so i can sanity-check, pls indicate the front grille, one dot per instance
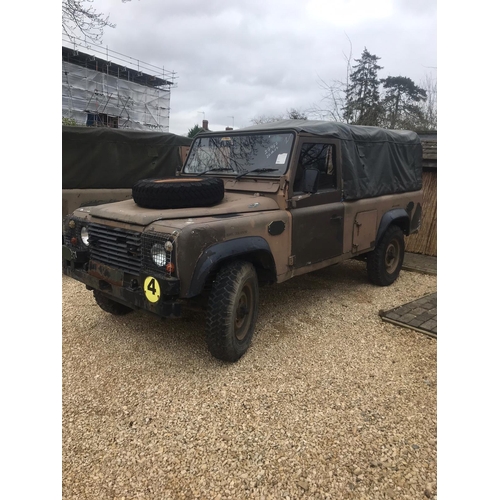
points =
(116, 247)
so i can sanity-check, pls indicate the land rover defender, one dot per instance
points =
(251, 206)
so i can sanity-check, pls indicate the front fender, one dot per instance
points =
(211, 258)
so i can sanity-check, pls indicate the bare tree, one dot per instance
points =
(257, 120)
(334, 93)
(291, 114)
(79, 18)
(332, 102)
(429, 107)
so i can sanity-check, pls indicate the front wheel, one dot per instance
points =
(384, 263)
(232, 311)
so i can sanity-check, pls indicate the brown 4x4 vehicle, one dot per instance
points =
(257, 205)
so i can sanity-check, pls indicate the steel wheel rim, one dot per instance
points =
(242, 316)
(392, 256)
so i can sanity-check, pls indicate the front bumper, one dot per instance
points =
(121, 287)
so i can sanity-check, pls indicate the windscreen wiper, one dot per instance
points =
(257, 170)
(216, 169)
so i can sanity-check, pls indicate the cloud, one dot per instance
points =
(348, 13)
(256, 57)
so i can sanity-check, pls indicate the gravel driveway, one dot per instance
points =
(329, 402)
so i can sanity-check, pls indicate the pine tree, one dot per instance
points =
(362, 105)
(401, 103)
(193, 132)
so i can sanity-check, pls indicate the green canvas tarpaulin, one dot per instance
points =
(105, 158)
(375, 161)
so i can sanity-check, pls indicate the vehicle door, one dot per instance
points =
(317, 218)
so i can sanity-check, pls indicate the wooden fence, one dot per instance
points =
(425, 241)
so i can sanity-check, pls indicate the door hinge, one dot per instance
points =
(291, 260)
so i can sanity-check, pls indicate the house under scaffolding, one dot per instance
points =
(107, 92)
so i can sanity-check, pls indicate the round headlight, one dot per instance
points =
(159, 255)
(84, 235)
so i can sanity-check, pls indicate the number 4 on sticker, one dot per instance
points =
(152, 289)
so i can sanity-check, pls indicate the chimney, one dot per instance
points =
(205, 125)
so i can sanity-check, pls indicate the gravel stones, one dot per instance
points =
(329, 402)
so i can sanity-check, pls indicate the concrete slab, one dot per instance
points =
(420, 263)
(419, 315)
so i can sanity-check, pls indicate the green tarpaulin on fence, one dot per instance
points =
(106, 158)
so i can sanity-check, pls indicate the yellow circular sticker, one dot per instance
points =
(152, 289)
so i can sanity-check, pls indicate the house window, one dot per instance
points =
(101, 120)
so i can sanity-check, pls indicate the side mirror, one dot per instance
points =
(310, 181)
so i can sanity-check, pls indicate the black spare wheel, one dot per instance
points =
(178, 192)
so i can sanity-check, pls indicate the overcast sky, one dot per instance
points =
(248, 58)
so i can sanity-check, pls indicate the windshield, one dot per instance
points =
(266, 154)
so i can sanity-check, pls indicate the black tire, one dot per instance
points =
(178, 192)
(384, 263)
(232, 311)
(109, 305)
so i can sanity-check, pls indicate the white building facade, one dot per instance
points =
(105, 92)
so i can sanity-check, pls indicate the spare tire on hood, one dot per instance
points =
(178, 192)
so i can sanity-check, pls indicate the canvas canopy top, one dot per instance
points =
(375, 161)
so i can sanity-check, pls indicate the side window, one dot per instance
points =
(320, 157)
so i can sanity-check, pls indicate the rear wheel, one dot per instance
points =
(385, 262)
(232, 311)
(109, 305)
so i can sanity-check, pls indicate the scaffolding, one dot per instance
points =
(104, 88)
